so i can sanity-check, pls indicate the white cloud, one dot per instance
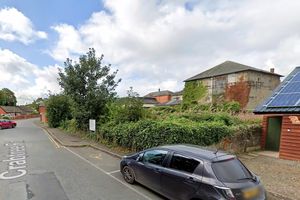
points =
(26, 79)
(158, 44)
(15, 26)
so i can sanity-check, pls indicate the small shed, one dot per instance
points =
(281, 118)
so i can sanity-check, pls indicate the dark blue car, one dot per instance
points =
(186, 172)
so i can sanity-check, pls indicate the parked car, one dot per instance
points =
(189, 172)
(5, 123)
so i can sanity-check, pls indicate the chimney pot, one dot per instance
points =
(272, 70)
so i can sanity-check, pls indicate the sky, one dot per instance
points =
(154, 44)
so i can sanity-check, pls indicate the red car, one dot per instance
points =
(4, 123)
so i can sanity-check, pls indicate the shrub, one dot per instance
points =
(58, 110)
(129, 109)
(148, 133)
(223, 118)
(69, 125)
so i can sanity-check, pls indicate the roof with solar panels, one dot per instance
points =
(285, 98)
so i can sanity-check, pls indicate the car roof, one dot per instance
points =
(198, 152)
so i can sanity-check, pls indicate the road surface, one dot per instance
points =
(34, 167)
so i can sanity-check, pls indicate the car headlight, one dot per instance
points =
(226, 192)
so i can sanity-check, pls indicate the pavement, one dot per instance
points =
(35, 166)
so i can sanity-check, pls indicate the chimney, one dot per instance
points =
(158, 89)
(272, 70)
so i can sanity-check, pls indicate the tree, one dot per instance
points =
(36, 103)
(90, 85)
(127, 109)
(7, 97)
(58, 109)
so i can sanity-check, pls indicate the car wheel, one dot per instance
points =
(13, 126)
(0, 127)
(128, 174)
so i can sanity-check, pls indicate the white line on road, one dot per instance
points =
(102, 170)
(51, 139)
(113, 172)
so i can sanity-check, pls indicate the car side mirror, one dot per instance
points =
(140, 158)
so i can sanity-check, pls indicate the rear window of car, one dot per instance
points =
(183, 163)
(230, 170)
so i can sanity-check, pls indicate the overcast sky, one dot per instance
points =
(153, 43)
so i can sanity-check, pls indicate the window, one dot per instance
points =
(155, 157)
(230, 170)
(183, 163)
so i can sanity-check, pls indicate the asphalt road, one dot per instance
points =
(33, 166)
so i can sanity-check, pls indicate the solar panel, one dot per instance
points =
(292, 87)
(284, 100)
(296, 77)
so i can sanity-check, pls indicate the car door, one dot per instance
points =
(5, 124)
(178, 180)
(149, 167)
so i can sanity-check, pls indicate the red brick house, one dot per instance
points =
(161, 96)
(281, 118)
(10, 110)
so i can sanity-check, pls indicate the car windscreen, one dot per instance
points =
(231, 171)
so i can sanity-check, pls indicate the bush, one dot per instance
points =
(148, 133)
(129, 109)
(58, 109)
(69, 125)
(223, 118)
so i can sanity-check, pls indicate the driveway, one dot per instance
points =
(280, 177)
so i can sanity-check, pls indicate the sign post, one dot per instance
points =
(92, 125)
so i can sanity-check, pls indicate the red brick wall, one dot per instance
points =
(2, 112)
(163, 99)
(290, 139)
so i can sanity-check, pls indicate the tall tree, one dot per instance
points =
(7, 97)
(90, 85)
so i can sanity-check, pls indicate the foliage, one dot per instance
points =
(36, 103)
(148, 133)
(58, 109)
(5, 117)
(90, 85)
(231, 107)
(128, 109)
(220, 117)
(69, 125)
(7, 97)
(193, 92)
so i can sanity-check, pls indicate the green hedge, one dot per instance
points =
(148, 133)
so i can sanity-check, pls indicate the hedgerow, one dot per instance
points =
(148, 133)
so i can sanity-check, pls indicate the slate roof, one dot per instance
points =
(148, 100)
(264, 108)
(11, 109)
(26, 109)
(172, 102)
(159, 93)
(227, 67)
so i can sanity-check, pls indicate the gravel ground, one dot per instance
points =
(280, 177)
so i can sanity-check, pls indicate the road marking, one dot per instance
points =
(113, 172)
(16, 161)
(51, 139)
(102, 170)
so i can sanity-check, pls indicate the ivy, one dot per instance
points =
(193, 92)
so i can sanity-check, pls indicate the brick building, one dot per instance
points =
(231, 81)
